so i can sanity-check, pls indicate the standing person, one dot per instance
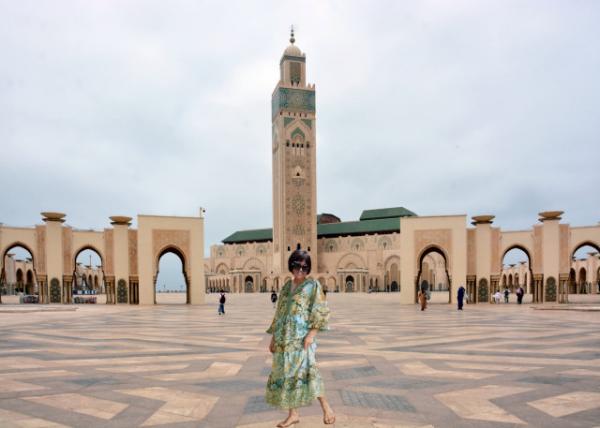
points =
(302, 311)
(520, 293)
(506, 293)
(273, 298)
(497, 296)
(222, 300)
(460, 296)
(422, 295)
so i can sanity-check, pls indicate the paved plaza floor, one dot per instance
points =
(384, 365)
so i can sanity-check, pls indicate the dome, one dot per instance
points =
(292, 50)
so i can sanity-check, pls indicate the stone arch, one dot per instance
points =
(3, 260)
(88, 247)
(584, 243)
(254, 263)
(222, 268)
(350, 258)
(391, 277)
(433, 248)
(528, 278)
(71, 287)
(391, 259)
(249, 284)
(172, 248)
(331, 284)
(349, 284)
(17, 244)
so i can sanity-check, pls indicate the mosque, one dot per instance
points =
(387, 249)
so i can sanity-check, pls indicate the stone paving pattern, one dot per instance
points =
(384, 366)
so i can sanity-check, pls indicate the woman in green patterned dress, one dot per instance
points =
(301, 312)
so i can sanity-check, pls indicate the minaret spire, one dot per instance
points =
(292, 39)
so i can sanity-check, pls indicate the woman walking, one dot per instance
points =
(301, 312)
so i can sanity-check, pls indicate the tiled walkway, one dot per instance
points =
(384, 365)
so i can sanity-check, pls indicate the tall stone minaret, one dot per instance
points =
(294, 161)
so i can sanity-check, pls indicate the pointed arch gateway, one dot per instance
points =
(580, 280)
(531, 287)
(86, 289)
(3, 276)
(175, 250)
(423, 285)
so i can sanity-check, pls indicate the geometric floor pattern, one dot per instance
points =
(384, 365)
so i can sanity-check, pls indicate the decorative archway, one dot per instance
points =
(427, 250)
(349, 284)
(173, 249)
(249, 284)
(70, 286)
(532, 286)
(42, 291)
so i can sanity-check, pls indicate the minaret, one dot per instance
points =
(294, 161)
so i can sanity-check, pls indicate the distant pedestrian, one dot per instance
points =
(274, 298)
(460, 296)
(497, 296)
(422, 295)
(520, 293)
(506, 293)
(222, 300)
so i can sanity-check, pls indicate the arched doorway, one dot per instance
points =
(391, 280)
(171, 285)
(88, 264)
(433, 276)
(585, 264)
(29, 282)
(517, 273)
(20, 284)
(582, 281)
(18, 279)
(249, 284)
(349, 284)
(572, 282)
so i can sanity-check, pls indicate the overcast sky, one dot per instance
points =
(443, 107)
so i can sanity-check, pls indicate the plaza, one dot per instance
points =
(384, 365)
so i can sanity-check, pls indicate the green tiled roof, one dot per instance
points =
(386, 213)
(254, 235)
(383, 225)
(385, 220)
(359, 227)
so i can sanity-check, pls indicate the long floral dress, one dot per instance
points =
(295, 380)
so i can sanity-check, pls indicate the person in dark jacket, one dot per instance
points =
(460, 297)
(520, 293)
(274, 298)
(222, 300)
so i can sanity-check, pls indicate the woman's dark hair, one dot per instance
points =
(297, 257)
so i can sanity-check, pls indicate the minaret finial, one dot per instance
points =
(292, 39)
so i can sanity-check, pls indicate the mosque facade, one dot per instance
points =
(389, 249)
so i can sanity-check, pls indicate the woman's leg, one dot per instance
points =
(328, 415)
(293, 418)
